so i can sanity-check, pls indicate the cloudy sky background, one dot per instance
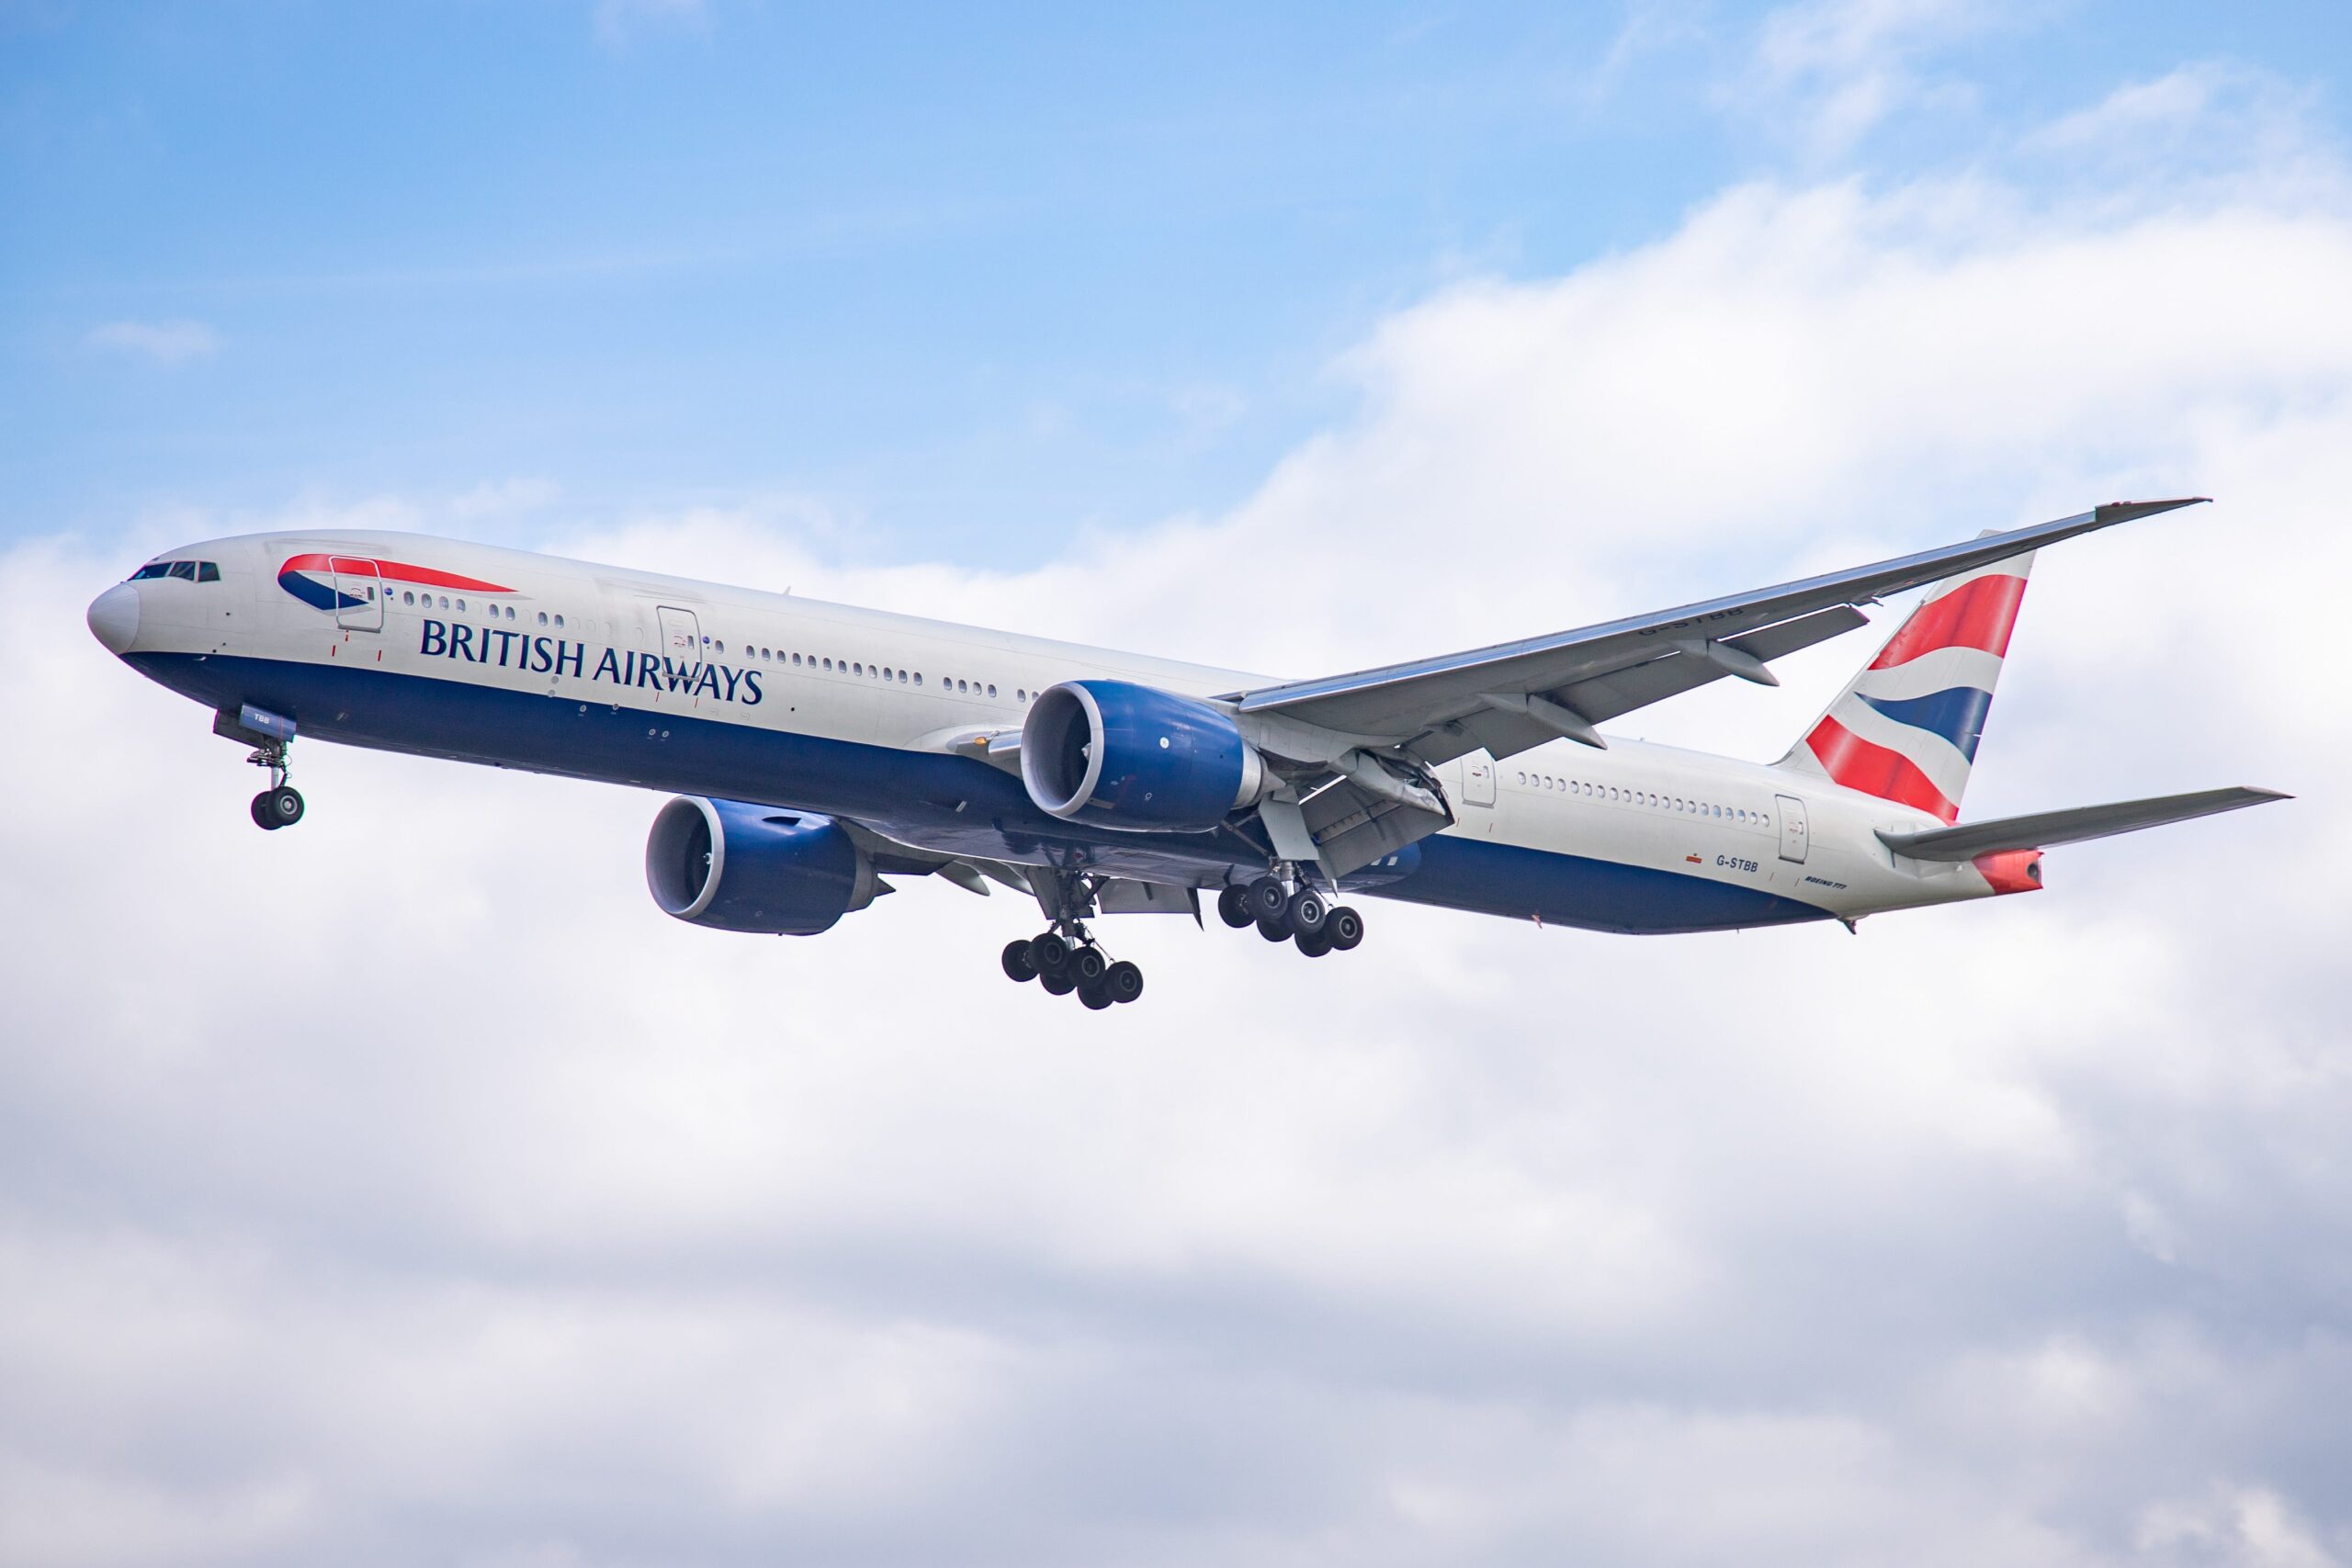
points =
(406, 1188)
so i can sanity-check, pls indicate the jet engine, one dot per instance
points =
(1113, 754)
(755, 868)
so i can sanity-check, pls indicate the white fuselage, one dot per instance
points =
(574, 635)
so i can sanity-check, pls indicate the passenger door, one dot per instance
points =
(1478, 779)
(358, 593)
(680, 635)
(1793, 828)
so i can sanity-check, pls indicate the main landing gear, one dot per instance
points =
(1062, 966)
(1065, 957)
(279, 805)
(1299, 915)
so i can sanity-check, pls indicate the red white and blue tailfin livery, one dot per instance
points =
(818, 750)
(1906, 729)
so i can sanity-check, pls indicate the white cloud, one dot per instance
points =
(166, 342)
(405, 1186)
(1833, 70)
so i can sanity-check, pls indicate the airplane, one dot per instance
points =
(816, 751)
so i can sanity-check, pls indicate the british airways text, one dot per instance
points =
(557, 656)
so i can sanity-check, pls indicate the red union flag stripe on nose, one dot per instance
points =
(1906, 729)
(310, 579)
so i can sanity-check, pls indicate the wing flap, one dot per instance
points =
(2043, 829)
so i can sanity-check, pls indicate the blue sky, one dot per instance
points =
(970, 280)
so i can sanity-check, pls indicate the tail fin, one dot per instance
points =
(1906, 728)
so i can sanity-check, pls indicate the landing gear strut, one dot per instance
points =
(279, 805)
(1065, 957)
(1286, 910)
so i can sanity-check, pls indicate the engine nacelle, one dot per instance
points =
(754, 868)
(1113, 754)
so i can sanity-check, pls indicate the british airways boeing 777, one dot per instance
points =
(817, 749)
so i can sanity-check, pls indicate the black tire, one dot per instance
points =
(1088, 966)
(1233, 907)
(1096, 998)
(1307, 911)
(1267, 899)
(1019, 967)
(1057, 983)
(261, 815)
(1315, 945)
(1123, 981)
(1276, 929)
(1048, 951)
(1344, 927)
(285, 805)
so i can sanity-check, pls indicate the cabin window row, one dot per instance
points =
(1623, 797)
(409, 596)
(960, 685)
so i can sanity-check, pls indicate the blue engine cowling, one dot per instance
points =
(1117, 755)
(754, 868)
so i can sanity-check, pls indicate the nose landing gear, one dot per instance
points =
(278, 806)
(272, 736)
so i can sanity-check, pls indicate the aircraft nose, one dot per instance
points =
(114, 618)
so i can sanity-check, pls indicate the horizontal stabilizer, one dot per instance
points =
(2044, 828)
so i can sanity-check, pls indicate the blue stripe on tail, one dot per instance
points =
(1957, 713)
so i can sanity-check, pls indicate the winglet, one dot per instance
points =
(2131, 511)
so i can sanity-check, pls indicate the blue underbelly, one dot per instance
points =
(946, 804)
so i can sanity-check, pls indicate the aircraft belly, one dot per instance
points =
(946, 804)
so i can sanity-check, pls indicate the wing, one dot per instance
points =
(1513, 695)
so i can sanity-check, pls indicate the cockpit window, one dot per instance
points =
(185, 570)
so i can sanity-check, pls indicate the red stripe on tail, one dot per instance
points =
(1979, 613)
(1859, 765)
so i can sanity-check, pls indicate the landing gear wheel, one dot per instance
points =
(1307, 911)
(1096, 998)
(1018, 965)
(1315, 944)
(1275, 929)
(1057, 983)
(1233, 907)
(279, 807)
(1124, 982)
(1087, 965)
(1048, 951)
(1344, 927)
(1267, 899)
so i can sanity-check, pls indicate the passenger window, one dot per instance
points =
(992, 691)
(559, 621)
